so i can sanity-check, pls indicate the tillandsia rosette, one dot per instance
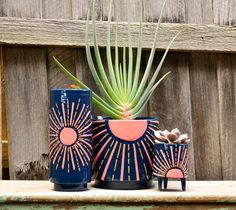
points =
(172, 137)
(124, 90)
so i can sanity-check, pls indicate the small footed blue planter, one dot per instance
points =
(70, 147)
(170, 161)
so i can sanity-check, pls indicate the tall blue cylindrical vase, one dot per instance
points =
(70, 139)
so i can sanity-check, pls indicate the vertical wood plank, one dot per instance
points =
(199, 12)
(1, 103)
(174, 11)
(171, 102)
(1, 76)
(80, 9)
(120, 10)
(205, 116)
(26, 99)
(204, 99)
(1, 10)
(225, 14)
(226, 66)
(1, 88)
(60, 9)
(22, 8)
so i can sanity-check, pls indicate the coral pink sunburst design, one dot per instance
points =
(120, 155)
(171, 161)
(70, 135)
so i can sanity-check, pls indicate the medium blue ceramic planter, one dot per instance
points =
(170, 161)
(70, 147)
(123, 153)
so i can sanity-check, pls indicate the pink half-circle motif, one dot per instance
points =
(175, 173)
(128, 130)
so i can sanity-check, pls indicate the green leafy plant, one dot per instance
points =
(125, 92)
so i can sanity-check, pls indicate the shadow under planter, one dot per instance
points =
(123, 153)
(170, 162)
(70, 147)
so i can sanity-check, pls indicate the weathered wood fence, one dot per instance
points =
(199, 97)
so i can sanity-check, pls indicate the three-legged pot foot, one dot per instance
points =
(164, 180)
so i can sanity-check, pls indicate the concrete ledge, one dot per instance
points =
(223, 192)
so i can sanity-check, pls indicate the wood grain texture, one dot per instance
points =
(199, 12)
(205, 116)
(60, 9)
(71, 33)
(1, 10)
(174, 11)
(226, 65)
(27, 102)
(80, 9)
(21, 8)
(224, 14)
(1, 89)
(120, 10)
(5, 161)
(26, 95)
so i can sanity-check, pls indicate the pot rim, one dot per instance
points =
(106, 119)
(169, 144)
(70, 89)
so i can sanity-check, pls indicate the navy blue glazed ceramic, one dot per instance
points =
(123, 153)
(70, 147)
(170, 161)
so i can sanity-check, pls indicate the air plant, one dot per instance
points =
(125, 93)
(173, 137)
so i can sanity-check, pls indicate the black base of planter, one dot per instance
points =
(123, 185)
(70, 187)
